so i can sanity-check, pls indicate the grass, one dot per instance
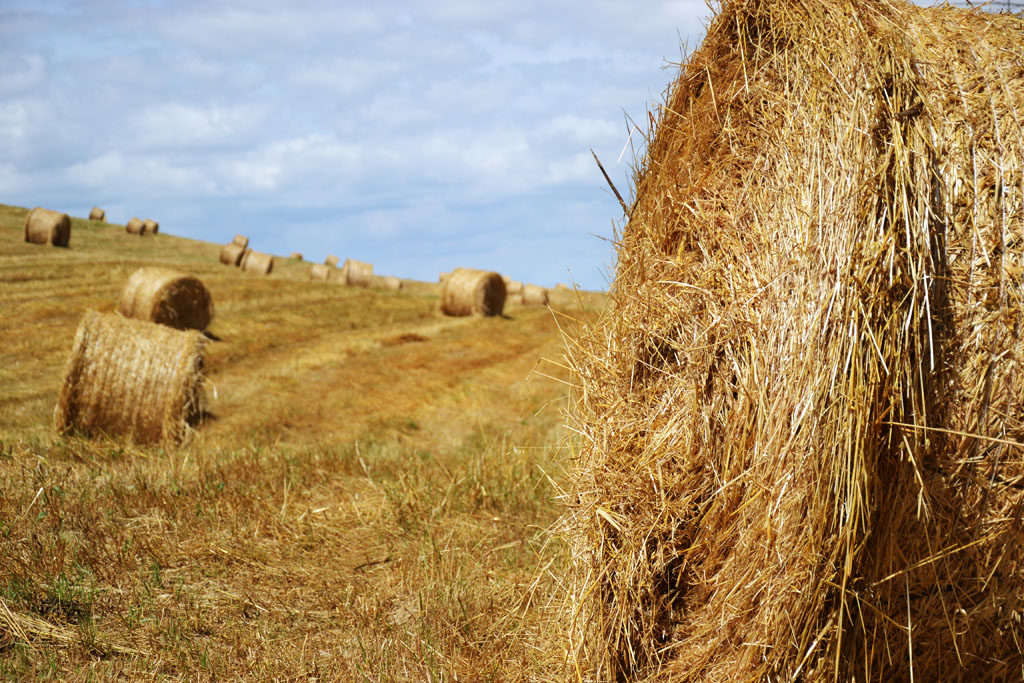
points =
(368, 500)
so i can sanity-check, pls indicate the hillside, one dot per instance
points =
(366, 500)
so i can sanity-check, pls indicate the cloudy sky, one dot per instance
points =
(416, 135)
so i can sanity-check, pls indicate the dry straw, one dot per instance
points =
(442, 277)
(134, 226)
(241, 240)
(257, 262)
(231, 254)
(513, 286)
(534, 295)
(150, 227)
(389, 282)
(801, 417)
(296, 255)
(43, 226)
(97, 214)
(131, 378)
(468, 291)
(320, 271)
(331, 260)
(165, 296)
(356, 273)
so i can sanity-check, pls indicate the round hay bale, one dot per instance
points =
(165, 296)
(320, 271)
(150, 227)
(389, 282)
(97, 214)
(513, 286)
(801, 417)
(135, 226)
(231, 254)
(257, 262)
(442, 277)
(241, 240)
(332, 260)
(356, 273)
(468, 291)
(296, 255)
(534, 295)
(43, 226)
(131, 379)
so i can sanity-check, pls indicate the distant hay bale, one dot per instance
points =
(562, 286)
(320, 271)
(513, 286)
(135, 226)
(231, 254)
(800, 421)
(150, 227)
(331, 260)
(132, 379)
(534, 295)
(386, 282)
(165, 296)
(43, 226)
(296, 255)
(356, 273)
(97, 214)
(241, 240)
(468, 291)
(257, 262)
(442, 277)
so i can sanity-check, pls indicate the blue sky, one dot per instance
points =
(418, 136)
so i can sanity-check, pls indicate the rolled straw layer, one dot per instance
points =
(165, 296)
(468, 291)
(241, 240)
(534, 295)
(356, 273)
(257, 262)
(97, 214)
(150, 227)
(232, 253)
(320, 271)
(43, 226)
(801, 417)
(131, 379)
(135, 226)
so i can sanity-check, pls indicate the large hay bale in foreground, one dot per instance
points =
(131, 378)
(43, 226)
(331, 260)
(135, 226)
(241, 240)
(468, 291)
(150, 227)
(356, 273)
(232, 253)
(320, 271)
(165, 296)
(97, 214)
(257, 262)
(801, 416)
(534, 295)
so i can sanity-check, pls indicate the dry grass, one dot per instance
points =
(366, 500)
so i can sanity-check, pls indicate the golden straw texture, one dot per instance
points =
(801, 417)
(534, 295)
(356, 273)
(131, 379)
(241, 240)
(165, 296)
(231, 254)
(97, 214)
(150, 227)
(257, 262)
(134, 226)
(43, 226)
(468, 291)
(331, 260)
(320, 271)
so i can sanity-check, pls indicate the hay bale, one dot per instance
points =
(150, 227)
(331, 260)
(135, 226)
(389, 282)
(513, 286)
(43, 226)
(801, 417)
(241, 240)
(356, 273)
(165, 296)
(232, 253)
(97, 214)
(534, 295)
(132, 379)
(296, 255)
(468, 291)
(320, 271)
(257, 262)
(442, 277)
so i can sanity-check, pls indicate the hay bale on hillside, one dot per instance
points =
(389, 282)
(332, 260)
(135, 226)
(131, 378)
(320, 271)
(513, 287)
(257, 262)
(165, 296)
(150, 227)
(295, 255)
(468, 291)
(97, 214)
(232, 253)
(801, 417)
(356, 273)
(534, 295)
(43, 226)
(442, 277)
(241, 240)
